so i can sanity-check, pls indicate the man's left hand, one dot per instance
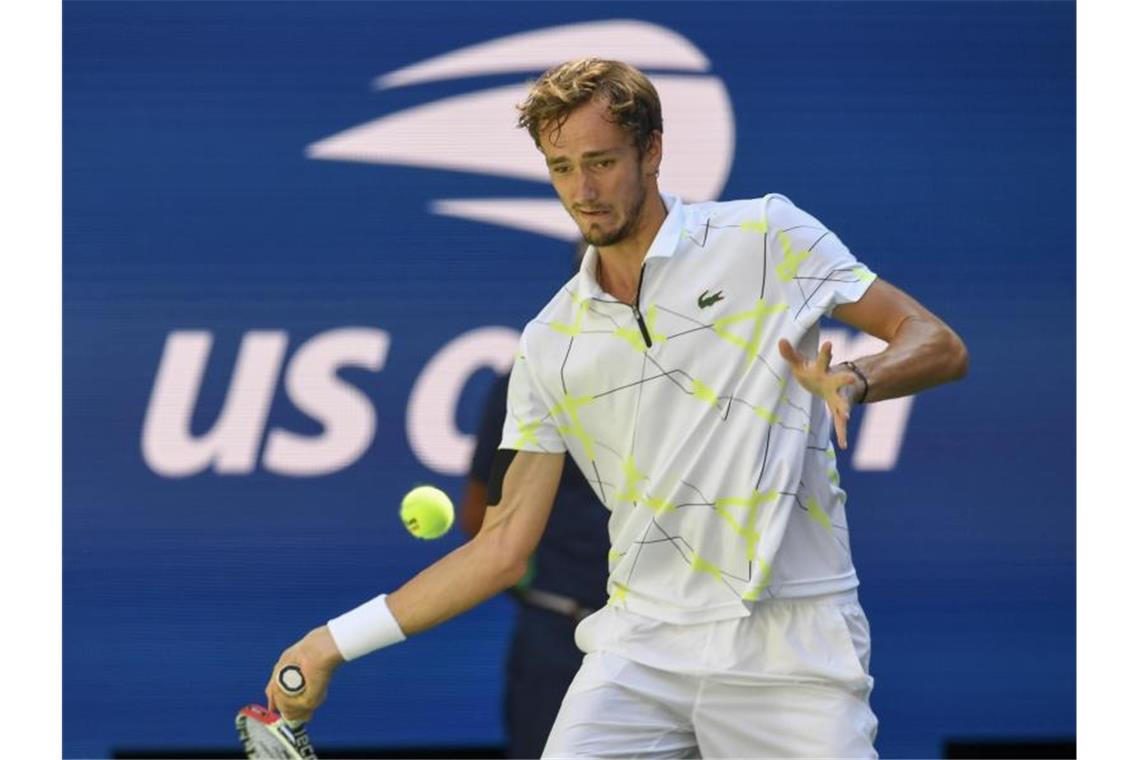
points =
(834, 387)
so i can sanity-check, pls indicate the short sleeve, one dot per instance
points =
(529, 425)
(817, 270)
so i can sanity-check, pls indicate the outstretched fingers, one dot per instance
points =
(790, 354)
(823, 361)
(839, 416)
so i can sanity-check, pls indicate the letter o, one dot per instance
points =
(432, 432)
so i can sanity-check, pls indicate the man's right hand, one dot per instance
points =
(317, 657)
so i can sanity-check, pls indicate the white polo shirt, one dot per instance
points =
(716, 465)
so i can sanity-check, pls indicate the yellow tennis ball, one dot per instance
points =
(427, 512)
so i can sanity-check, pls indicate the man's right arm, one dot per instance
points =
(491, 562)
(496, 558)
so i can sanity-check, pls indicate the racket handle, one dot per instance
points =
(291, 680)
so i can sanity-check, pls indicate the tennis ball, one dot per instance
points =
(427, 512)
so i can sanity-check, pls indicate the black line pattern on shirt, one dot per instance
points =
(710, 226)
(723, 573)
(601, 483)
(673, 541)
(637, 556)
(677, 541)
(685, 317)
(562, 369)
(822, 281)
(764, 461)
(797, 407)
(686, 332)
(607, 447)
(672, 372)
(638, 382)
(764, 275)
(693, 487)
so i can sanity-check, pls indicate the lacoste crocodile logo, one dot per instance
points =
(704, 300)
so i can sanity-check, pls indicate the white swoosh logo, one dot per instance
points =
(476, 132)
(636, 42)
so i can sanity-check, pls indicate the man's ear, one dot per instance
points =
(651, 158)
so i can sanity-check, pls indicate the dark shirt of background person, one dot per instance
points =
(565, 582)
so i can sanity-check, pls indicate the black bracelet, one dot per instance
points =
(859, 373)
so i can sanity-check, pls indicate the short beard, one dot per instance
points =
(601, 239)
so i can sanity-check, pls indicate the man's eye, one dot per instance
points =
(561, 169)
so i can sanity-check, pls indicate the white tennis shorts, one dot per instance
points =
(790, 680)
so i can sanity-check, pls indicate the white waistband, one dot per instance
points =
(836, 598)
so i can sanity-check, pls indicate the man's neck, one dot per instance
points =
(619, 265)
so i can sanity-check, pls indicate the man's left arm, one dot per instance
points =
(922, 352)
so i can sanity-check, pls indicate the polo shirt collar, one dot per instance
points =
(664, 246)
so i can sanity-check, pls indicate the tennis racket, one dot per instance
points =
(269, 736)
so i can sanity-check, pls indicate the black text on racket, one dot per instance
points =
(265, 734)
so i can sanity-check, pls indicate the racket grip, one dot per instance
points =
(291, 680)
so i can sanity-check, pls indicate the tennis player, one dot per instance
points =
(681, 369)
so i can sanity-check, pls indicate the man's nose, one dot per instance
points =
(587, 187)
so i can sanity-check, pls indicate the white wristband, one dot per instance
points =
(365, 629)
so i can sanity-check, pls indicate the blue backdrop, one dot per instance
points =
(203, 230)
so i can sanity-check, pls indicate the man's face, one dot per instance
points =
(598, 174)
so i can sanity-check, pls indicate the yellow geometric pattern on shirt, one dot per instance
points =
(568, 407)
(526, 434)
(618, 595)
(760, 226)
(754, 593)
(863, 273)
(816, 513)
(767, 415)
(633, 476)
(631, 493)
(633, 336)
(758, 315)
(705, 393)
(790, 266)
(745, 528)
(582, 305)
(702, 565)
(658, 505)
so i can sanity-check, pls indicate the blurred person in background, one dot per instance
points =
(565, 583)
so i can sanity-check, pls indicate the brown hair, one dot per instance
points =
(633, 102)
